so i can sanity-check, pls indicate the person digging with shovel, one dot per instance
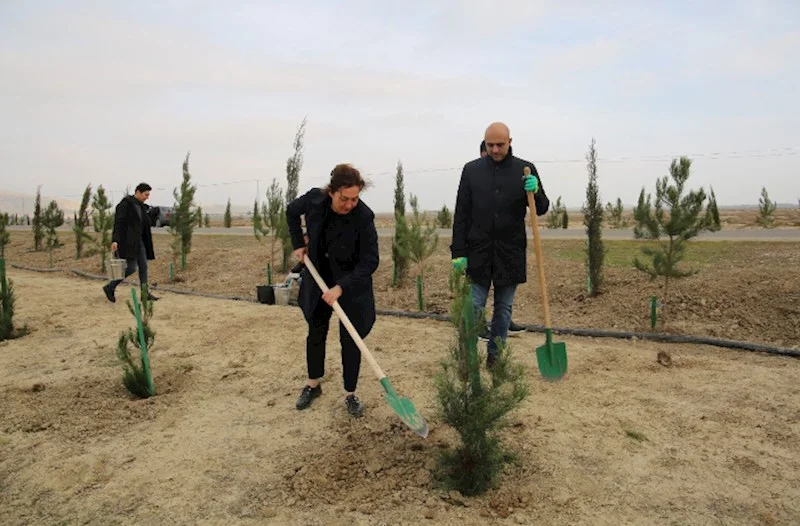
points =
(343, 246)
(489, 240)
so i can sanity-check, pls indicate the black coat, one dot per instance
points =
(130, 227)
(489, 219)
(353, 257)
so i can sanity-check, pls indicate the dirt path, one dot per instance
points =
(622, 440)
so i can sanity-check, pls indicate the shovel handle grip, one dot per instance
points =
(345, 320)
(539, 260)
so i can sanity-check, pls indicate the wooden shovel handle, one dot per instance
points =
(539, 260)
(345, 320)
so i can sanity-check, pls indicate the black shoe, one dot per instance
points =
(490, 359)
(485, 334)
(109, 293)
(513, 328)
(308, 394)
(354, 405)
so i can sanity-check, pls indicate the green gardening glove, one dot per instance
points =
(531, 183)
(460, 264)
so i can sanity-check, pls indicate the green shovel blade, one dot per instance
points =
(552, 358)
(405, 409)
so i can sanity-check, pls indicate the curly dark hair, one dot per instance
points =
(343, 176)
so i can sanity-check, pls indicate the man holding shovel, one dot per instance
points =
(489, 237)
(343, 245)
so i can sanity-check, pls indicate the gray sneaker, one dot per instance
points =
(354, 406)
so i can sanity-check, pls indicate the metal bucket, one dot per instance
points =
(116, 268)
(282, 295)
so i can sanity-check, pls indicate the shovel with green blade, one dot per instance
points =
(402, 406)
(552, 356)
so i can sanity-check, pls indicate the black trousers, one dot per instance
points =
(315, 347)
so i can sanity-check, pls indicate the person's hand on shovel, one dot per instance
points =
(460, 264)
(531, 183)
(300, 253)
(332, 295)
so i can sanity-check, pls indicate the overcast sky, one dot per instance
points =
(115, 93)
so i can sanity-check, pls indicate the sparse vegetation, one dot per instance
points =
(555, 216)
(615, 215)
(53, 218)
(182, 221)
(444, 219)
(421, 241)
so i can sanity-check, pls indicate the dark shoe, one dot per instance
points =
(354, 405)
(109, 293)
(490, 359)
(308, 394)
(513, 328)
(484, 334)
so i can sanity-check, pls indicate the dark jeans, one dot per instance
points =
(501, 317)
(132, 264)
(315, 348)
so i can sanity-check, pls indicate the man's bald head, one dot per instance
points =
(498, 141)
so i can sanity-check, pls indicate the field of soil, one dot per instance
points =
(620, 440)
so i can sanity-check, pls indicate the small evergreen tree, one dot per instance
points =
(207, 221)
(766, 209)
(199, 216)
(53, 218)
(103, 222)
(640, 214)
(554, 219)
(181, 224)
(444, 219)
(136, 377)
(5, 236)
(81, 223)
(400, 239)
(712, 213)
(422, 240)
(38, 225)
(565, 220)
(674, 220)
(6, 303)
(476, 408)
(615, 214)
(593, 221)
(227, 221)
(293, 167)
(274, 214)
(258, 226)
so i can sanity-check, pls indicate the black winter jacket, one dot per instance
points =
(354, 256)
(130, 227)
(489, 219)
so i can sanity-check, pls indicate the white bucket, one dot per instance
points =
(116, 268)
(282, 295)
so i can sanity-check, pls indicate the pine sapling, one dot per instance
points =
(103, 222)
(400, 239)
(81, 223)
(227, 220)
(182, 221)
(593, 221)
(712, 213)
(766, 209)
(53, 218)
(554, 219)
(676, 217)
(38, 221)
(615, 214)
(5, 236)
(422, 240)
(475, 406)
(444, 219)
(137, 377)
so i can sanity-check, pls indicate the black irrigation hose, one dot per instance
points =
(667, 338)
(33, 269)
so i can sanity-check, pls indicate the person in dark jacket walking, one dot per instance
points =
(132, 239)
(513, 328)
(489, 236)
(343, 246)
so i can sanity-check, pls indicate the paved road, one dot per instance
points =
(748, 234)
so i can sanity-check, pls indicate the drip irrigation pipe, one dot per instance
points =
(597, 333)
